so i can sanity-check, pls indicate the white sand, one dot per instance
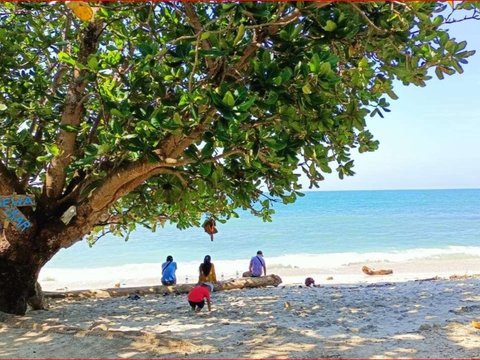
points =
(416, 319)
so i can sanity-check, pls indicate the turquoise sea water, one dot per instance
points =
(327, 224)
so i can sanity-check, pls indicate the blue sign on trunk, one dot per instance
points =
(9, 211)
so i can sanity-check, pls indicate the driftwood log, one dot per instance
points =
(370, 271)
(242, 283)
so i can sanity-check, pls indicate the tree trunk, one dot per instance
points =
(242, 283)
(17, 285)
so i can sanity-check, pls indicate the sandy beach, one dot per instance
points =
(381, 319)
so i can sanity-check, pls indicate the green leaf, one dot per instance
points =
(228, 99)
(240, 34)
(65, 58)
(438, 20)
(92, 62)
(325, 69)
(330, 26)
(145, 49)
(306, 89)
(392, 94)
(286, 74)
(457, 67)
(272, 98)
(439, 72)
(3, 107)
(247, 104)
(53, 149)
(314, 63)
(205, 169)
(117, 112)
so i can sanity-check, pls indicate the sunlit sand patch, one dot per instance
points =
(400, 352)
(408, 337)
(276, 350)
(154, 343)
(464, 335)
(127, 355)
(43, 339)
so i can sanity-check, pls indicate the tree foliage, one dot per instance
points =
(168, 111)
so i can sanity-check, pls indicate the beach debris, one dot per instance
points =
(209, 227)
(133, 297)
(117, 285)
(428, 279)
(309, 282)
(98, 326)
(329, 278)
(287, 305)
(370, 271)
(476, 324)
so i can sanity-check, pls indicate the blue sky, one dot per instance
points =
(430, 139)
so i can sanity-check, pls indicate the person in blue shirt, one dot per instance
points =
(168, 271)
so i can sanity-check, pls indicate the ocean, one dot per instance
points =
(322, 229)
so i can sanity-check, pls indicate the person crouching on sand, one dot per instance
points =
(197, 296)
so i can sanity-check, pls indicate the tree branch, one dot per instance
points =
(120, 182)
(367, 19)
(197, 26)
(251, 49)
(72, 114)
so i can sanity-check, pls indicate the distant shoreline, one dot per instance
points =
(149, 274)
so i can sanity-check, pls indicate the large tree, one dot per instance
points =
(169, 111)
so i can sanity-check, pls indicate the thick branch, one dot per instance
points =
(72, 113)
(173, 146)
(126, 179)
(121, 182)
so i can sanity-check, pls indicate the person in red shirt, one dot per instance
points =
(197, 296)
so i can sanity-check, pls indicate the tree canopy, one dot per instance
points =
(153, 112)
(167, 111)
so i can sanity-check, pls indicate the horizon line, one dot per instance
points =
(391, 189)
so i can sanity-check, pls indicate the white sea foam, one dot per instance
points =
(327, 261)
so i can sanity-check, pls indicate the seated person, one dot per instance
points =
(168, 272)
(257, 266)
(207, 271)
